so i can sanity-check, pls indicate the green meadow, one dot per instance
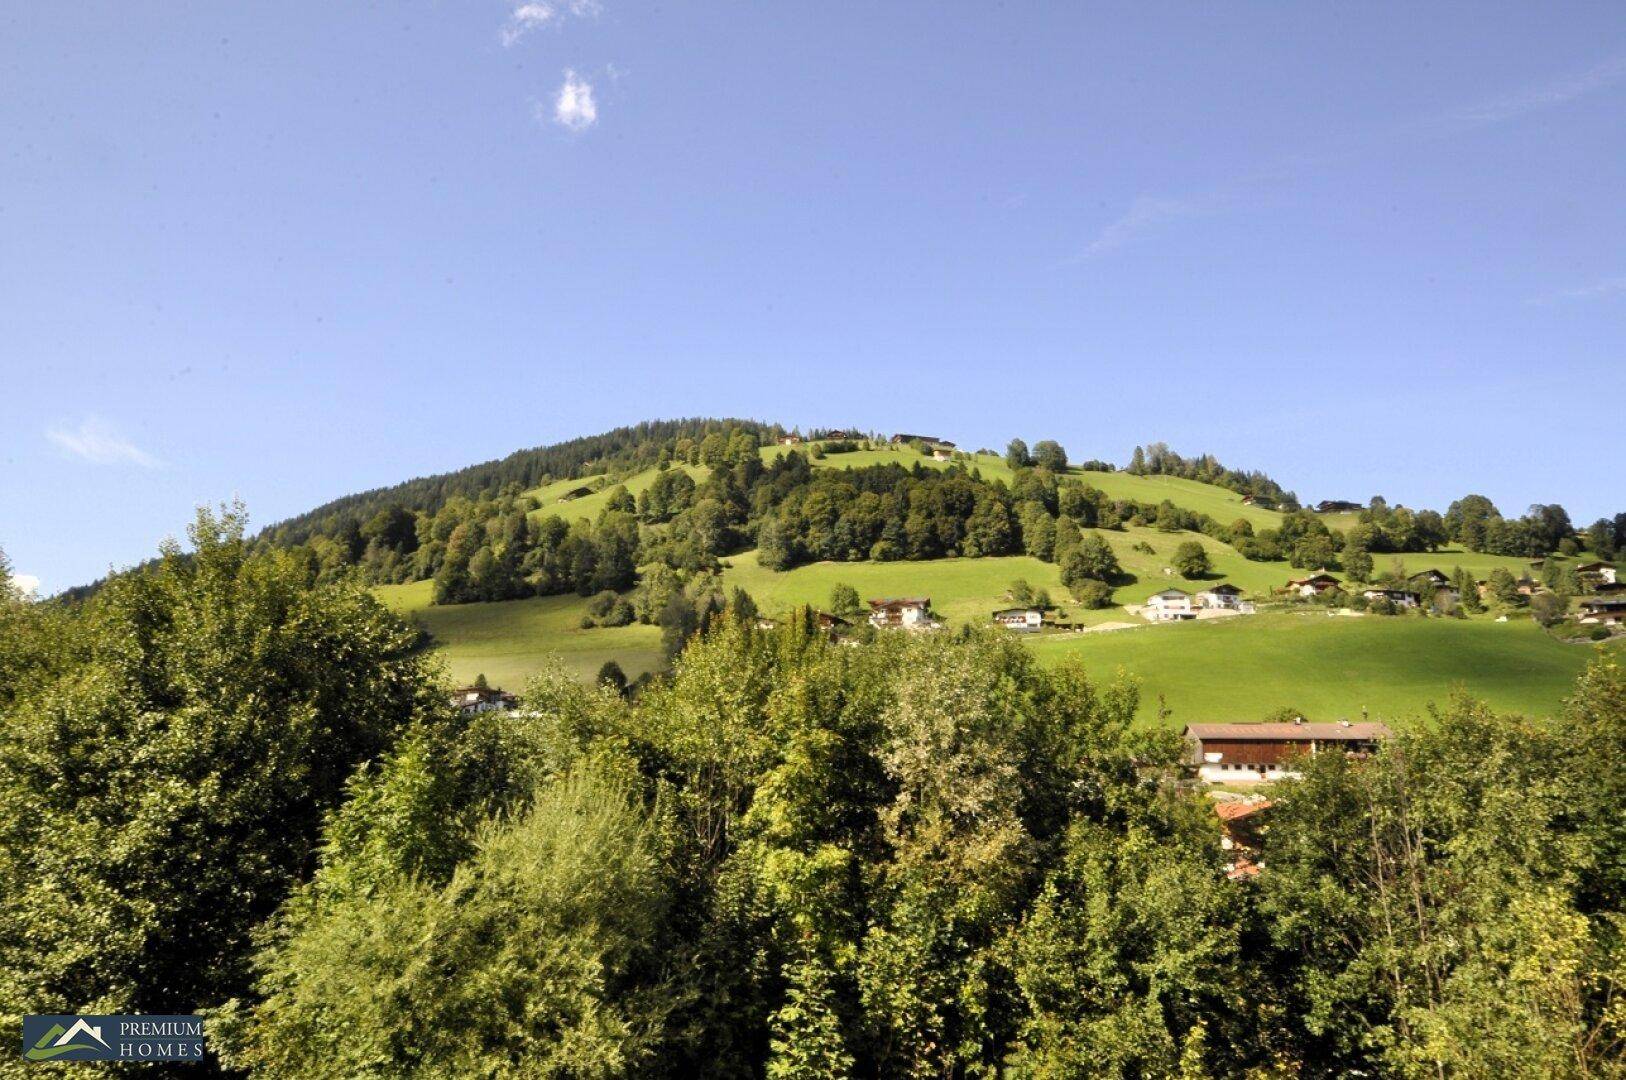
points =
(1328, 667)
(1241, 668)
(510, 641)
(588, 507)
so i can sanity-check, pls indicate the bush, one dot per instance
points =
(1093, 594)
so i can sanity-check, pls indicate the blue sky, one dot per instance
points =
(288, 251)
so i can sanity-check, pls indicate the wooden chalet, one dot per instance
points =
(1314, 585)
(1249, 753)
(903, 613)
(479, 699)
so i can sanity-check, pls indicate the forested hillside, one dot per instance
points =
(227, 788)
(594, 514)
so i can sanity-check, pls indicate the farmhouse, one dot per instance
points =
(790, 440)
(1314, 585)
(1021, 620)
(1223, 597)
(903, 614)
(826, 621)
(942, 454)
(479, 699)
(1398, 597)
(929, 440)
(1336, 506)
(839, 433)
(1603, 612)
(1249, 753)
(1170, 605)
(1264, 502)
(1597, 572)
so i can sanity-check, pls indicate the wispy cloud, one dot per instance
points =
(536, 14)
(100, 443)
(1148, 213)
(1533, 99)
(1144, 215)
(1614, 286)
(573, 105)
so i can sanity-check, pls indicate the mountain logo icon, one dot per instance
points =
(59, 1040)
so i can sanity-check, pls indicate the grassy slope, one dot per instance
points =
(1329, 667)
(589, 506)
(510, 641)
(1229, 669)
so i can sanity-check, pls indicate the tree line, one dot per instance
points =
(226, 788)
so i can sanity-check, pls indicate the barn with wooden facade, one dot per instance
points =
(1249, 753)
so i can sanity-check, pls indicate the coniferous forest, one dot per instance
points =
(231, 788)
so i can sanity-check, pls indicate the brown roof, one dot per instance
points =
(1352, 731)
(1233, 809)
(1592, 566)
(920, 601)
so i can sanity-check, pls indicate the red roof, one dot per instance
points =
(1233, 809)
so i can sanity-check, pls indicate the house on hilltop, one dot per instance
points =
(479, 699)
(1336, 506)
(1603, 611)
(1223, 597)
(1314, 585)
(1597, 573)
(1022, 620)
(1170, 605)
(908, 613)
(1250, 753)
(790, 440)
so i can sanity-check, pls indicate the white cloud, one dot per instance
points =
(1534, 99)
(535, 14)
(1615, 286)
(573, 105)
(1144, 215)
(26, 584)
(99, 443)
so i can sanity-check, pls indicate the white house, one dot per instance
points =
(479, 699)
(1398, 597)
(1600, 572)
(1170, 605)
(1021, 620)
(1606, 612)
(1223, 597)
(1314, 585)
(908, 613)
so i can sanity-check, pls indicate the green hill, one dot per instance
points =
(511, 641)
(1240, 668)
(1328, 666)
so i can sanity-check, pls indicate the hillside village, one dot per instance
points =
(609, 551)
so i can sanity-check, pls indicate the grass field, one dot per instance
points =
(509, 642)
(590, 506)
(1329, 667)
(968, 590)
